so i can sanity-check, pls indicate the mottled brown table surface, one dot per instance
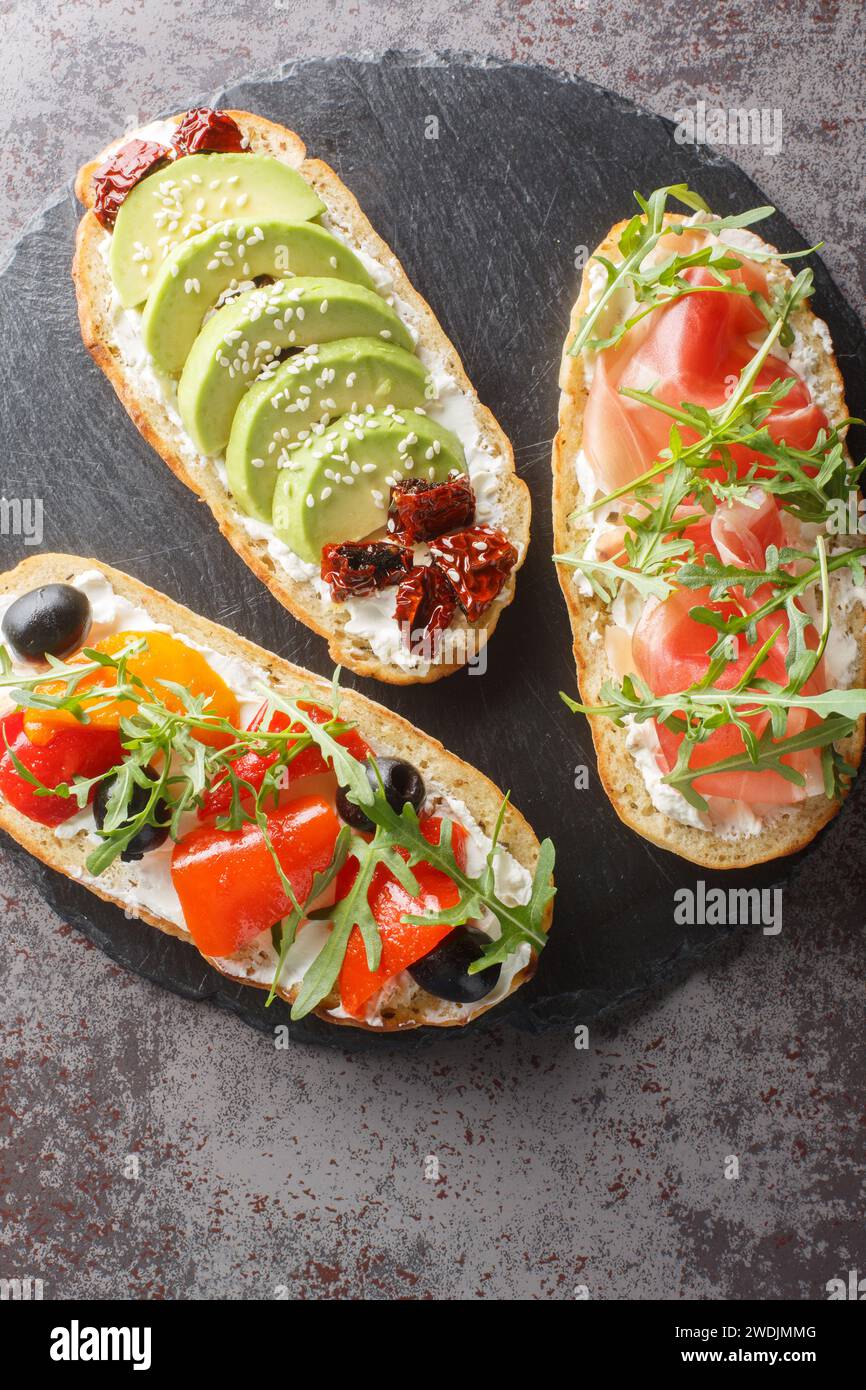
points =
(558, 1168)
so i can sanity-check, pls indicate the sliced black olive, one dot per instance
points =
(51, 620)
(402, 782)
(445, 971)
(149, 836)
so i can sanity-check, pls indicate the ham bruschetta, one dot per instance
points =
(703, 496)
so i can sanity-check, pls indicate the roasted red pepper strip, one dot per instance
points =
(402, 943)
(227, 882)
(251, 767)
(82, 751)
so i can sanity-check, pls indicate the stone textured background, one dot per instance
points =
(557, 1168)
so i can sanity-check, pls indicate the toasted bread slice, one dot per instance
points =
(623, 781)
(406, 1006)
(160, 426)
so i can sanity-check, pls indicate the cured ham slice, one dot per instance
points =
(670, 650)
(692, 350)
(740, 532)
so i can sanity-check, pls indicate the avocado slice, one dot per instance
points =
(243, 338)
(196, 272)
(275, 414)
(194, 193)
(336, 487)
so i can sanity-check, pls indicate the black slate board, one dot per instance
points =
(486, 218)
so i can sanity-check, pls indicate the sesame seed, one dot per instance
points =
(311, 501)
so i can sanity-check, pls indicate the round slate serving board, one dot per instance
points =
(484, 179)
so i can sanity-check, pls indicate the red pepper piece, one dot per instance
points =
(420, 511)
(83, 751)
(477, 563)
(402, 943)
(115, 179)
(251, 767)
(353, 569)
(227, 882)
(424, 608)
(203, 129)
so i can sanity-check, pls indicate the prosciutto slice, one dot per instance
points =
(670, 651)
(692, 350)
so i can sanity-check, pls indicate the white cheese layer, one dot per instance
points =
(370, 618)
(147, 883)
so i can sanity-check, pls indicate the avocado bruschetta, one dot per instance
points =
(270, 347)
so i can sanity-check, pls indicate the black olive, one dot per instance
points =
(149, 836)
(402, 783)
(52, 620)
(445, 971)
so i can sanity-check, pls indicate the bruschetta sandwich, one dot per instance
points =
(709, 547)
(302, 838)
(269, 345)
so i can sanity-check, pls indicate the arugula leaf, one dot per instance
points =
(401, 830)
(664, 282)
(284, 933)
(605, 577)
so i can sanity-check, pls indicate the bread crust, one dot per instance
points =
(619, 773)
(463, 781)
(92, 290)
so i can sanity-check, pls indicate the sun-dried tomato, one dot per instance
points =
(353, 569)
(420, 511)
(203, 129)
(477, 563)
(115, 179)
(424, 608)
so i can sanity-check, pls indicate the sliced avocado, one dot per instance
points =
(243, 338)
(275, 414)
(196, 272)
(336, 487)
(194, 193)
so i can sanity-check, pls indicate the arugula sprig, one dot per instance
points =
(395, 831)
(663, 282)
